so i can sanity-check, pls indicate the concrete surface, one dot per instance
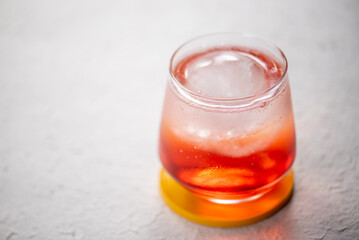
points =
(81, 88)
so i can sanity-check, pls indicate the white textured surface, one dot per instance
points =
(81, 88)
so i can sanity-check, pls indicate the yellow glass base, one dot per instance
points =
(206, 212)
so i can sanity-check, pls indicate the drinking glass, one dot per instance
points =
(227, 132)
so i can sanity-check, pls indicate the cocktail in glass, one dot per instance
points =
(227, 133)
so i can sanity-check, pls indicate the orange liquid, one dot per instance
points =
(209, 172)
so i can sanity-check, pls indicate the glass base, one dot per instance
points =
(225, 214)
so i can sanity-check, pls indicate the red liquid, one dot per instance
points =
(208, 172)
(218, 174)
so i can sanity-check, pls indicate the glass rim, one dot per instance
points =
(237, 101)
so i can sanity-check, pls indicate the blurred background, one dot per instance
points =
(81, 90)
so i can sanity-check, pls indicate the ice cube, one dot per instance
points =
(225, 74)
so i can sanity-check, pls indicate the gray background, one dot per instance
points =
(81, 89)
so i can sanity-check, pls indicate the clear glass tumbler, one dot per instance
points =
(227, 131)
